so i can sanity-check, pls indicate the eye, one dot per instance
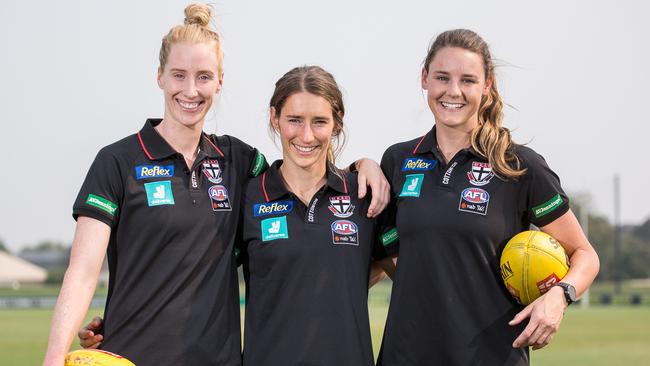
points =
(178, 76)
(442, 78)
(469, 81)
(294, 120)
(205, 77)
(321, 122)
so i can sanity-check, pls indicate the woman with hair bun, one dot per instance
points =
(459, 193)
(164, 204)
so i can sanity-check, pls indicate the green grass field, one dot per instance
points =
(600, 335)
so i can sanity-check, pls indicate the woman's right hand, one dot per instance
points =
(91, 336)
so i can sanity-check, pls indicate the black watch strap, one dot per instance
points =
(569, 292)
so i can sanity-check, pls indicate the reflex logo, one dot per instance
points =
(418, 164)
(274, 228)
(262, 209)
(153, 171)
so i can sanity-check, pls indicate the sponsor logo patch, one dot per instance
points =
(418, 164)
(101, 203)
(412, 185)
(480, 174)
(340, 206)
(159, 193)
(474, 200)
(447, 176)
(345, 232)
(256, 169)
(212, 171)
(548, 206)
(219, 197)
(545, 284)
(389, 237)
(263, 209)
(153, 171)
(274, 228)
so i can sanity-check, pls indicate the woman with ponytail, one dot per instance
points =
(164, 204)
(460, 192)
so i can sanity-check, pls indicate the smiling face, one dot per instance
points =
(306, 127)
(190, 80)
(455, 83)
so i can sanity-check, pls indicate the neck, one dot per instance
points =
(303, 182)
(452, 139)
(184, 139)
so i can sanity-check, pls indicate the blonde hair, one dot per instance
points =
(314, 80)
(195, 30)
(490, 139)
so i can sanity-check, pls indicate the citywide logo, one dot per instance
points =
(153, 171)
(279, 207)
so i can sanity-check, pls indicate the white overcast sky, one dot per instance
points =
(78, 75)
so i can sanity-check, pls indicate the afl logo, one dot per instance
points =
(475, 195)
(344, 227)
(218, 193)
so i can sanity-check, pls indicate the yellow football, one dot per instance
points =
(95, 357)
(531, 263)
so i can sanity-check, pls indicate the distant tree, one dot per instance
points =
(48, 246)
(3, 247)
(643, 231)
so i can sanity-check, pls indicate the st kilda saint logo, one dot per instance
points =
(212, 171)
(480, 174)
(341, 207)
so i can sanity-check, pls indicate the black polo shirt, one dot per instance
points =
(173, 295)
(306, 270)
(449, 305)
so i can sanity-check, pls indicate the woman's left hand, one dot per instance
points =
(545, 314)
(371, 175)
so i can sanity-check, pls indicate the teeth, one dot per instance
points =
(305, 148)
(451, 105)
(188, 105)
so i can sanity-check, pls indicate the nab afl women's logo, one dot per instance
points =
(345, 232)
(219, 197)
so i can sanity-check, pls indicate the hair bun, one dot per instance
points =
(198, 14)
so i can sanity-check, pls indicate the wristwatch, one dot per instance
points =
(569, 292)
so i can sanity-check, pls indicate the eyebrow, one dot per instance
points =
(297, 116)
(199, 72)
(447, 73)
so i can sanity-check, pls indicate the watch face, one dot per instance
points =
(571, 291)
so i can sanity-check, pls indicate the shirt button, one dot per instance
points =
(194, 202)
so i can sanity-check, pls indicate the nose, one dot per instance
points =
(453, 89)
(189, 89)
(306, 134)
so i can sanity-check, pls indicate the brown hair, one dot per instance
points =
(195, 30)
(490, 139)
(314, 80)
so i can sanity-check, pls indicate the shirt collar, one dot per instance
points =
(273, 186)
(156, 148)
(429, 144)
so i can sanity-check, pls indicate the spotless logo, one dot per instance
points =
(345, 232)
(274, 228)
(153, 171)
(418, 164)
(262, 209)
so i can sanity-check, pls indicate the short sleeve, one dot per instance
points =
(251, 159)
(101, 194)
(387, 241)
(542, 193)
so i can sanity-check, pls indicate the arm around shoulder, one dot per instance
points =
(88, 250)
